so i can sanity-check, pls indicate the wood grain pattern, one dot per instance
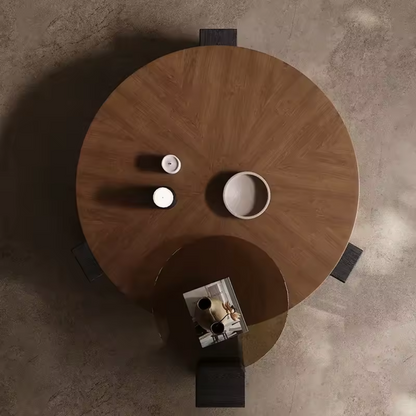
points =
(220, 109)
(257, 282)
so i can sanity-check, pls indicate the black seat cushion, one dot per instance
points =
(220, 384)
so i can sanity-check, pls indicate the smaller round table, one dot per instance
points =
(258, 284)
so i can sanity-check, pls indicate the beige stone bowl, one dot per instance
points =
(246, 195)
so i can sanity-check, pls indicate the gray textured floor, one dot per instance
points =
(68, 347)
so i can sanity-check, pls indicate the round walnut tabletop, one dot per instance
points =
(221, 110)
(258, 285)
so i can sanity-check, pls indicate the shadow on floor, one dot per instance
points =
(42, 139)
(39, 150)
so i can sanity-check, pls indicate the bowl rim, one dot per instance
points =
(247, 173)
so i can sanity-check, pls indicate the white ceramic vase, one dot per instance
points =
(209, 311)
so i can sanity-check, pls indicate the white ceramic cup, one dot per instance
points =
(246, 195)
(171, 164)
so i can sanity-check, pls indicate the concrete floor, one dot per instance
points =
(68, 347)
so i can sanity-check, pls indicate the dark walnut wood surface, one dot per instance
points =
(221, 110)
(258, 285)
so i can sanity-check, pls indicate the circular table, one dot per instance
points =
(221, 110)
(258, 284)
